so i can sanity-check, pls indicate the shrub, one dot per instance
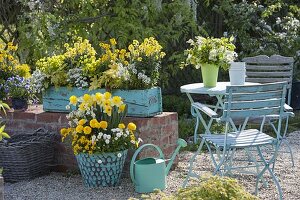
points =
(214, 188)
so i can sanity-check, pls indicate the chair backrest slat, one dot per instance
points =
(253, 104)
(255, 100)
(264, 69)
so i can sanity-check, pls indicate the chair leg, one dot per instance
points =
(267, 167)
(196, 130)
(190, 172)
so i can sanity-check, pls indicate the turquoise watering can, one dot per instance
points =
(150, 173)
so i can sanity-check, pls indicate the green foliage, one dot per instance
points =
(3, 107)
(213, 188)
(179, 104)
(47, 26)
(264, 27)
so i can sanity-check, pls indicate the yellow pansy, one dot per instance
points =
(73, 100)
(131, 126)
(87, 130)
(103, 124)
(64, 131)
(121, 126)
(79, 129)
(82, 122)
(93, 123)
(107, 95)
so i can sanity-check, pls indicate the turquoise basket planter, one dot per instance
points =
(141, 103)
(101, 170)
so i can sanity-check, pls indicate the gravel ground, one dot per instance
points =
(60, 186)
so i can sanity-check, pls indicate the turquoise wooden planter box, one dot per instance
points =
(141, 103)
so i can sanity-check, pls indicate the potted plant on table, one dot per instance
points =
(100, 139)
(210, 54)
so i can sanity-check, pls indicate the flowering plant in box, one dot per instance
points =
(217, 51)
(67, 69)
(137, 68)
(144, 63)
(96, 125)
(17, 87)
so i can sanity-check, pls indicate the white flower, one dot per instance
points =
(108, 137)
(107, 141)
(100, 135)
(99, 161)
(104, 136)
(93, 139)
(68, 107)
(119, 134)
(132, 141)
(119, 155)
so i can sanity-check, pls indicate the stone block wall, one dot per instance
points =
(161, 130)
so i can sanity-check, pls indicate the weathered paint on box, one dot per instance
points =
(141, 103)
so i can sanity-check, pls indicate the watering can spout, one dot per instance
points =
(180, 143)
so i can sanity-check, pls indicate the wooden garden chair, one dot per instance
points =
(245, 102)
(276, 68)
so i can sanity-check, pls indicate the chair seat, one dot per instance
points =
(246, 138)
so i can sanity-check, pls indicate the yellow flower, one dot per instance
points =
(87, 147)
(122, 108)
(93, 123)
(113, 41)
(131, 126)
(117, 101)
(82, 122)
(106, 103)
(121, 126)
(73, 100)
(108, 110)
(86, 98)
(82, 107)
(98, 97)
(79, 129)
(107, 95)
(87, 130)
(64, 131)
(103, 124)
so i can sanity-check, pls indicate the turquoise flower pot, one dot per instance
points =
(101, 170)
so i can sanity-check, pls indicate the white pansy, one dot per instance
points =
(68, 107)
(119, 134)
(108, 137)
(100, 135)
(119, 155)
(99, 161)
(107, 141)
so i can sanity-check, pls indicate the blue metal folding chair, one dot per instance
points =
(245, 102)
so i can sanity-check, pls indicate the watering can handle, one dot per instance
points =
(136, 154)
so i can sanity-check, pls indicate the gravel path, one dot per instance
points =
(58, 186)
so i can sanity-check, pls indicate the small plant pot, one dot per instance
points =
(101, 170)
(209, 75)
(19, 104)
(237, 72)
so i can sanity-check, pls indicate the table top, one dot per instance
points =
(198, 88)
